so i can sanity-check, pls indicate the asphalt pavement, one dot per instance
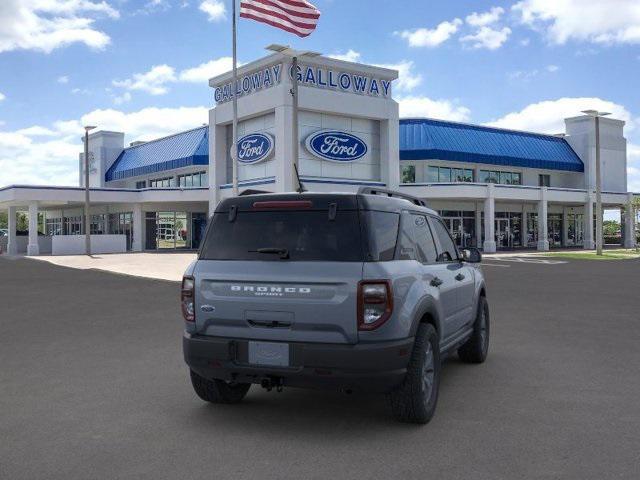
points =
(93, 386)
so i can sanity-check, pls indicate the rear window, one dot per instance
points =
(305, 235)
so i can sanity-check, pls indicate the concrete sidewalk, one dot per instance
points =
(163, 266)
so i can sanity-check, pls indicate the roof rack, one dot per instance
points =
(391, 193)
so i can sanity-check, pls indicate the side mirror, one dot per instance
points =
(471, 255)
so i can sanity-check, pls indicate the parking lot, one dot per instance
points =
(93, 385)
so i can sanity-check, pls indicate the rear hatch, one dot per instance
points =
(284, 269)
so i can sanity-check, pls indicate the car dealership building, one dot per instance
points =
(495, 188)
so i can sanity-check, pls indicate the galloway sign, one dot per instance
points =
(255, 148)
(248, 84)
(331, 79)
(308, 76)
(336, 146)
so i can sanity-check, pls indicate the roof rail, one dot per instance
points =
(391, 193)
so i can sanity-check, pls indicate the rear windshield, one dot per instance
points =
(304, 235)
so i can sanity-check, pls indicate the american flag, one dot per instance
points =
(294, 16)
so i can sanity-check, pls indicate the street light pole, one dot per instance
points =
(294, 127)
(599, 237)
(87, 217)
(598, 191)
(294, 55)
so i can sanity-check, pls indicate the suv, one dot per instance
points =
(356, 292)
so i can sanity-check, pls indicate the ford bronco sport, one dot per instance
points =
(357, 292)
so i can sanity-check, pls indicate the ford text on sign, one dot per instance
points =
(336, 146)
(255, 148)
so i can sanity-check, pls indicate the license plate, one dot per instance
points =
(268, 353)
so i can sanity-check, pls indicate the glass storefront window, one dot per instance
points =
(433, 174)
(408, 174)
(174, 230)
(504, 178)
(532, 229)
(554, 229)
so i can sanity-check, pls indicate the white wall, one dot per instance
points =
(74, 244)
(105, 147)
(613, 147)
(260, 124)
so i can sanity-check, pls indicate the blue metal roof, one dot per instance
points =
(176, 151)
(427, 139)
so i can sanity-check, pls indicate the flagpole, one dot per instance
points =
(234, 144)
(294, 121)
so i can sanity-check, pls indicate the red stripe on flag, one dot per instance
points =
(274, 24)
(294, 16)
(293, 13)
(272, 13)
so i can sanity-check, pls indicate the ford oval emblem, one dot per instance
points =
(255, 148)
(336, 146)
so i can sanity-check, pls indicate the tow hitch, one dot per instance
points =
(269, 383)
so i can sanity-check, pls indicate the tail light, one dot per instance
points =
(375, 303)
(187, 299)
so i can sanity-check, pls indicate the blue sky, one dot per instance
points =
(141, 66)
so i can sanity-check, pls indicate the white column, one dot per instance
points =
(478, 225)
(390, 151)
(138, 219)
(629, 224)
(12, 246)
(283, 154)
(543, 240)
(489, 245)
(589, 242)
(32, 247)
(218, 160)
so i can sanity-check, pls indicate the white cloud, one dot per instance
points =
(2, 96)
(63, 79)
(420, 106)
(525, 42)
(424, 37)
(548, 116)
(214, 9)
(203, 72)
(595, 21)
(527, 75)
(486, 18)
(45, 25)
(407, 78)
(487, 37)
(120, 99)
(349, 56)
(154, 81)
(49, 155)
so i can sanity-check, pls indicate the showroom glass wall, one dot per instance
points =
(174, 230)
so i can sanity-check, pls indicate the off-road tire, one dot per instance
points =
(218, 391)
(475, 349)
(410, 402)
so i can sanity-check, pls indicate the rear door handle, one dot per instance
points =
(459, 277)
(436, 282)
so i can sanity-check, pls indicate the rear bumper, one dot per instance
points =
(369, 367)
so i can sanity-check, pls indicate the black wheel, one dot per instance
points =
(476, 348)
(218, 391)
(415, 400)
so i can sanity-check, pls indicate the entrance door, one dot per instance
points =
(503, 233)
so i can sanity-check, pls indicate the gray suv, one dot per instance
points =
(356, 292)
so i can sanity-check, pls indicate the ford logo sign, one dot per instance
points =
(255, 148)
(336, 146)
